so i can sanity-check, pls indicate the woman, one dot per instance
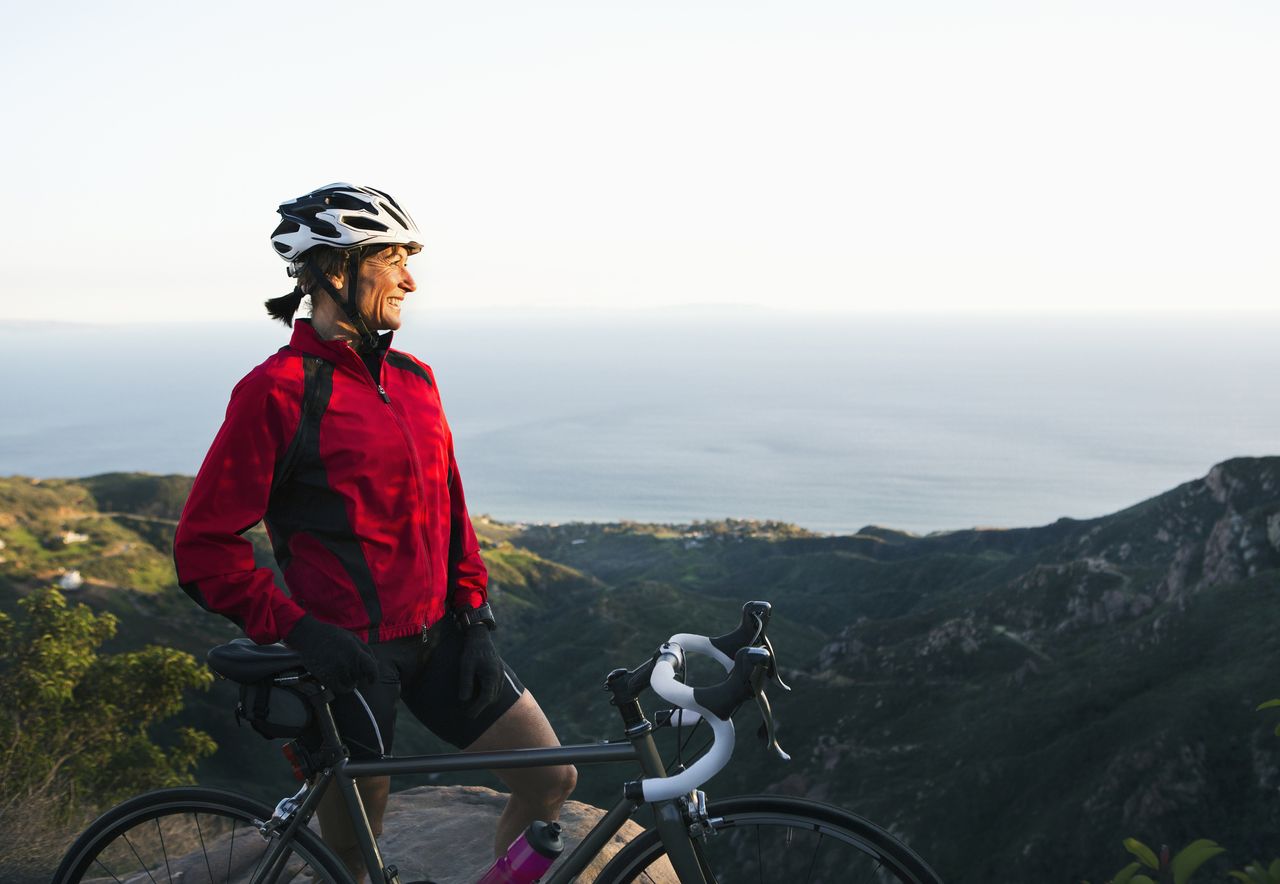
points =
(340, 445)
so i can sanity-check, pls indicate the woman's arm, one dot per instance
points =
(214, 560)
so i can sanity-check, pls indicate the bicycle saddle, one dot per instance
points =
(245, 662)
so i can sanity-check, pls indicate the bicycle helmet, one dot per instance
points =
(346, 217)
(343, 216)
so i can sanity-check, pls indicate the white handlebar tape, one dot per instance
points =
(664, 684)
(700, 644)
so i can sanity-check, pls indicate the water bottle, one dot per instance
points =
(528, 857)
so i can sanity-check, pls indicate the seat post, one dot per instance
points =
(331, 749)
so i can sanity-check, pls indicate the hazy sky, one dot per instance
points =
(917, 156)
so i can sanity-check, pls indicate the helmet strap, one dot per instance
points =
(368, 340)
(346, 299)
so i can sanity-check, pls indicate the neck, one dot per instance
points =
(330, 322)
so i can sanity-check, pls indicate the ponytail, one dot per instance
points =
(283, 307)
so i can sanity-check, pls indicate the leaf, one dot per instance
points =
(1141, 879)
(1192, 857)
(1240, 876)
(1268, 705)
(1142, 852)
(1125, 875)
(1274, 870)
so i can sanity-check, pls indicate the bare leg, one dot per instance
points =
(537, 793)
(335, 821)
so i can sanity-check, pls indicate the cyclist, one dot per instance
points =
(339, 444)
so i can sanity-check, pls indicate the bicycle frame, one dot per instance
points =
(640, 746)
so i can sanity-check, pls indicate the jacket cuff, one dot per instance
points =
(286, 617)
(468, 598)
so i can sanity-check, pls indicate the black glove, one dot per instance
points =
(333, 655)
(479, 669)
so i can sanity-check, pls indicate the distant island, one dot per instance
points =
(1012, 702)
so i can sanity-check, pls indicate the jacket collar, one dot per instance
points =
(306, 340)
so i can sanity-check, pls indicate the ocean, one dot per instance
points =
(833, 423)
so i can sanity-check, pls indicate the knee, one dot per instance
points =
(565, 779)
(550, 789)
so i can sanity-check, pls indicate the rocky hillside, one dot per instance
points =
(1012, 702)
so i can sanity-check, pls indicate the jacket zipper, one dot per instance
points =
(415, 463)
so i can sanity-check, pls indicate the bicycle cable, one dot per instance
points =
(682, 744)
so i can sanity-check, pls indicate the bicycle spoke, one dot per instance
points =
(231, 848)
(759, 856)
(108, 871)
(142, 865)
(204, 851)
(164, 852)
(814, 859)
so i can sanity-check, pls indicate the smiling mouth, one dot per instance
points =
(394, 302)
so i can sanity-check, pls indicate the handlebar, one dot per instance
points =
(748, 669)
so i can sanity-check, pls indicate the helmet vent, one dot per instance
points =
(394, 214)
(321, 227)
(364, 223)
(351, 203)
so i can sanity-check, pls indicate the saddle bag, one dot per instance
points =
(277, 711)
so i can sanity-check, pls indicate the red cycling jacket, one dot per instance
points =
(358, 487)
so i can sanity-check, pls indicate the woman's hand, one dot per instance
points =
(479, 669)
(333, 655)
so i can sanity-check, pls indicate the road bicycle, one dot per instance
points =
(194, 835)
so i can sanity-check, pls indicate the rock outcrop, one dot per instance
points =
(444, 833)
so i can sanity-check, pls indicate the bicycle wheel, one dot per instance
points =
(766, 838)
(182, 836)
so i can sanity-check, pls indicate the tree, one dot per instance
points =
(74, 727)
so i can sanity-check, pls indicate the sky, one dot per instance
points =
(605, 157)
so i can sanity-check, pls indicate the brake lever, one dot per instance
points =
(767, 731)
(773, 665)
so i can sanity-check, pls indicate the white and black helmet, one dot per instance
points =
(343, 216)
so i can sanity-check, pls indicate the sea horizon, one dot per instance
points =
(830, 422)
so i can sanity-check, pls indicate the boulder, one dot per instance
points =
(445, 833)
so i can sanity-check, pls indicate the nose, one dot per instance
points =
(407, 282)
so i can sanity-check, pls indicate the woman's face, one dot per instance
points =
(384, 281)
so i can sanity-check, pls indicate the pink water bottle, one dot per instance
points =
(528, 857)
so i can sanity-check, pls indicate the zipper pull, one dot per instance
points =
(383, 394)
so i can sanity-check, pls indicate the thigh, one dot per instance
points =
(366, 717)
(523, 726)
(431, 693)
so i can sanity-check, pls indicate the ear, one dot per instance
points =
(336, 280)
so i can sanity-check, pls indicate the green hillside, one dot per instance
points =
(1013, 703)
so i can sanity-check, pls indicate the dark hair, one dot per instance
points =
(330, 261)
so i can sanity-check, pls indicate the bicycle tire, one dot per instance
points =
(769, 838)
(160, 836)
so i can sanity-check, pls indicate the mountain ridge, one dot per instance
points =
(1012, 701)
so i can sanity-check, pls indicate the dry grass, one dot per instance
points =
(33, 838)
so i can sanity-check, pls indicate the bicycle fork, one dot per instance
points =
(683, 851)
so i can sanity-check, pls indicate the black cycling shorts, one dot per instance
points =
(367, 718)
